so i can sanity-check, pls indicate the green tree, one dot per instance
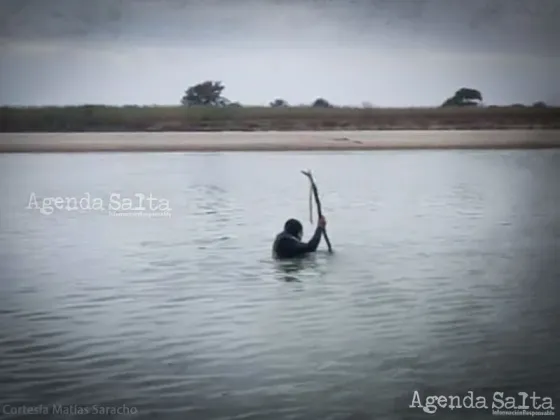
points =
(279, 103)
(207, 93)
(464, 97)
(321, 103)
(540, 104)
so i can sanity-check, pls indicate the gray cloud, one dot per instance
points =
(387, 52)
(478, 25)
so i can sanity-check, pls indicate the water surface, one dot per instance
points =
(444, 279)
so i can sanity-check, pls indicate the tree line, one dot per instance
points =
(210, 93)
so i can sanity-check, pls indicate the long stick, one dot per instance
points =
(318, 204)
(310, 204)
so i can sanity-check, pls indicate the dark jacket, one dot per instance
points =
(288, 246)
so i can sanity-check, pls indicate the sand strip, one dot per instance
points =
(277, 141)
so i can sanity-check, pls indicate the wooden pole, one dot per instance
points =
(318, 204)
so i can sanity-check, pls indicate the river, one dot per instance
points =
(444, 280)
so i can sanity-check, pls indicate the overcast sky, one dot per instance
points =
(385, 52)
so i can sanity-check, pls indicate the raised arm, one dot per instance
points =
(313, 243)
(289, 247)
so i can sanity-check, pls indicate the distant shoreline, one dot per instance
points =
(105, 119)
(278, 141)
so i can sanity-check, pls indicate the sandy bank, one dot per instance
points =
(277, 141)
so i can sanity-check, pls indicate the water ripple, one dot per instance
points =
(446, 282)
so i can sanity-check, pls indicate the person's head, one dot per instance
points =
(294, 228)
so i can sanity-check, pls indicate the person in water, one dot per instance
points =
(288, 243)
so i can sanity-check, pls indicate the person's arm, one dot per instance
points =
(290, 247)
(313, 243)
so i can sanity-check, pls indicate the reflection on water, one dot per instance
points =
(444, 280)
(288, 270)
(296, 270)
